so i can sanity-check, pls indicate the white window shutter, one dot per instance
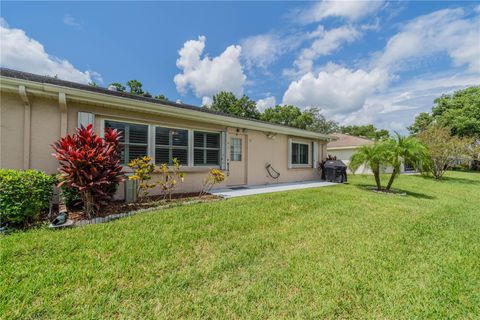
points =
(85, 118)
(289, 153)
(190, 148)
(223, 150)
(315, 154)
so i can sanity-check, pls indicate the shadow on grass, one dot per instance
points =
(455, 179)
(368, 187)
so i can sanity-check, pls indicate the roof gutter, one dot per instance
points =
(78, 95)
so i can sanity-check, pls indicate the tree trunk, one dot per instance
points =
(376, 174)
(392, 178)
(88, 204)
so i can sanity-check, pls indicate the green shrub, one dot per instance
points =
(23, 195)
(70, 196)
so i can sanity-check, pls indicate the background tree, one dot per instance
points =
(118, 86)
(287, 115)
(369, 131)
(161, 97)
(320, 123)
(226, 102)
(459, 111)
(401, 149)
(442, 149)
(422, 122)
(135, 87)
(310, 119)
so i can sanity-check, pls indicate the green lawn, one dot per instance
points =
(334, 252)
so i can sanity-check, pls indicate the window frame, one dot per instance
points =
(170, 147)
(309, 154)
(127, 144)
(205, 149)
(152, 143)
(232, 151)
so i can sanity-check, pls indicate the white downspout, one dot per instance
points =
(22, 91)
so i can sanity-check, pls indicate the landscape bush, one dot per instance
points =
(90, 165)
(143, 169)
(214, 177)
(23, 195)
(169, 178)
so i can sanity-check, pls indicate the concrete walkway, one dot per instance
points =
(277, 187)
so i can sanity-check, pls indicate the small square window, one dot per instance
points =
(236, 149)
(299, 153)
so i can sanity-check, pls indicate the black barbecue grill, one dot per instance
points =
(335, 171)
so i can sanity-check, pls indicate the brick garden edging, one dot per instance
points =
(117, 216)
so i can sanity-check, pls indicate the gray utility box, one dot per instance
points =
(131, 190)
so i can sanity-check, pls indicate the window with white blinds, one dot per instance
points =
(206, 149)
(170, 144)
(134, 139)
(300, 153)
(163, 144)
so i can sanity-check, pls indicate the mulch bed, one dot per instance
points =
(120, 206)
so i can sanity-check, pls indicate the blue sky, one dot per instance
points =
(361, 62)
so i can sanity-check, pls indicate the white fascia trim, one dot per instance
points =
(46, 89)
(343, 148)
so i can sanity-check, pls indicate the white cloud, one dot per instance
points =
(335, 89)
(441, 31)
(207, 101)
(69, 20)
(4, 23)
(207, 76)
(377, 93)
(20, 52)
(396, 108)
(264, 49)
(349, 10)
(325, 43)
(268, 102)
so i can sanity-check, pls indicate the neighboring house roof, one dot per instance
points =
(346, 141)
(49, 86)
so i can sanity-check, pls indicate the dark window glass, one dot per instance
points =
(299, 153)
(236, 149)
(170, 144)
(134, 139)
(206, 148)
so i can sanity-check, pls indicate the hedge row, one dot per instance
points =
(23, 196)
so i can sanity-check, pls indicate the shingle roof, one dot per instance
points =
(10, 73)
(346, 140)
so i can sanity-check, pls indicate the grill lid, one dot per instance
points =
(334, 164)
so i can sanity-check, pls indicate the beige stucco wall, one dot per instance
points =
(263, 150)
(45, 128)
(11, 131)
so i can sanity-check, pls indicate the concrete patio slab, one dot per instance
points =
(269, 188)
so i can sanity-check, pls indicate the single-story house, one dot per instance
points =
(37, 110)
(345, 146)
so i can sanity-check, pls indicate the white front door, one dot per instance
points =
(238, 162)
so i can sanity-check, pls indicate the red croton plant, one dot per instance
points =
(91, 165)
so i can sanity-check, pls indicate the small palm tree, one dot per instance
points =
(400, 149)
(372, 156)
